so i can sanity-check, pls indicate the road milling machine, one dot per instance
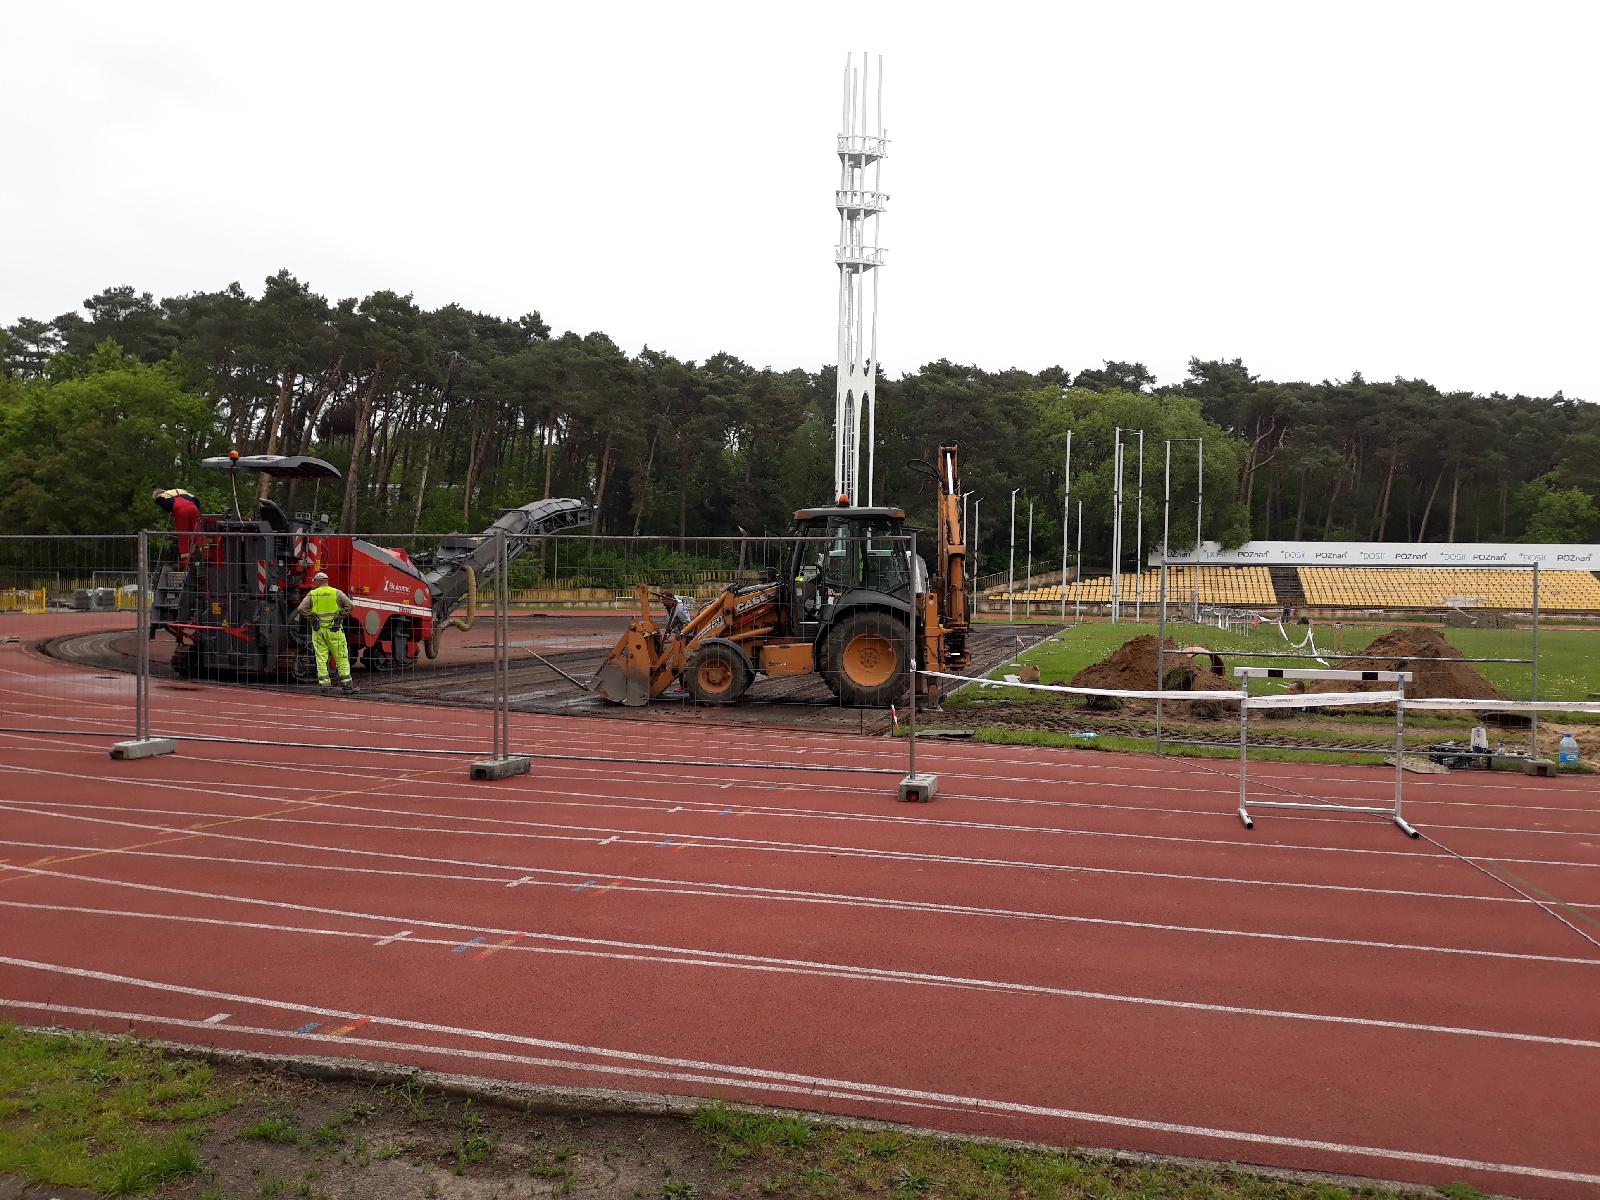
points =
(231, 609)
(850, 606)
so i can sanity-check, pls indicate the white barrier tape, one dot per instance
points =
(1284, 700)
(1586, 706)
(1118, 693)
(1302, 643)
(1322, 699)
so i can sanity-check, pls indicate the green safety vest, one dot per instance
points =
(324, 605)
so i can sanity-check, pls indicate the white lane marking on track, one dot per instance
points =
(1232, 844)
(216, 1018)
(537, 795)
(685, 957)
(1097, 870)
(793, 1083)
(691, 887)
(265, 707)
(1098, 768)
(761, 962)
(48, 809)
(393, 937)
(586, 833)
(611, 772)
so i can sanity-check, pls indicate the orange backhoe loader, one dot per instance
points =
(850, 604)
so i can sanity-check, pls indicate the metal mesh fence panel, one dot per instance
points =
(753, 652)
(279, 637)
(68, 635)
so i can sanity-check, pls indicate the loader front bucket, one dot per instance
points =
(624, 677)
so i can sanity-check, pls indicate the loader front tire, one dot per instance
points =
(866, 659)
(716, 675)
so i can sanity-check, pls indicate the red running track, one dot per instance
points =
(1066, 947)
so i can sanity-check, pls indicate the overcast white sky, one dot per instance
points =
(1396, 188)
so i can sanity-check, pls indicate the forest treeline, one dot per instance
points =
(441, 417)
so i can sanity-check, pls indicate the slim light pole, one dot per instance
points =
(1138, 541)
(1199, 495)
(1066, 524)
(1077, 607)
(966, 542)
(1161, 615)
(1166, 502)
(976, 501)
(1011, 563)
(1533, 727)
(1116, 532)
(1028, 575)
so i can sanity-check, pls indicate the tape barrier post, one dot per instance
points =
(1325, 700)
(143, 745)
(1399, 753)
(503, 764)
(918, 788)
(1244, 754)
(1533, 716)
(1161, 625)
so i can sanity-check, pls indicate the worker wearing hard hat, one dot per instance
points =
(185, 517)
(325, 607)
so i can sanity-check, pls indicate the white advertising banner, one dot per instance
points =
(1391, 554)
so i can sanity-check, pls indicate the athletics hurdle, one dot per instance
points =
(1326, 699)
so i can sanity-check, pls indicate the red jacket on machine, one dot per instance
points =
(185, 517)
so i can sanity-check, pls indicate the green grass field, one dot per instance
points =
(1569, 660)
(119, 1117)
(1569, 668)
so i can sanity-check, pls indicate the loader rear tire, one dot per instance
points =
(866, 659)
(716, 675)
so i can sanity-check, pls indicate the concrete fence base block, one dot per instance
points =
(144, 748)
(502, 768)
(919, 788)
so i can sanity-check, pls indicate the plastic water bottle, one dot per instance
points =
(1568, 755)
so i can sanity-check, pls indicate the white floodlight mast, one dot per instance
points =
(856, 253)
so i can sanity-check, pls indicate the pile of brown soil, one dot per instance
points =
(1133, 667)
(1415, 649)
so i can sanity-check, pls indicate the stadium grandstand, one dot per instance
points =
(1386, 580)
(1236, 587)
(1447, 587)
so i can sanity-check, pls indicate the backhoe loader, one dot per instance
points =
(849, 604)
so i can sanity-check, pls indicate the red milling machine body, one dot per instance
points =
(231, 610)
(386, 590)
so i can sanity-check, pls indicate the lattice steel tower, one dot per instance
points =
(860, 153)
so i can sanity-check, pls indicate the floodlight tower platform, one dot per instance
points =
(860, 201)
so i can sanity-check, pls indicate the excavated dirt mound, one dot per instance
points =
(1133, 667)
(1415, 649)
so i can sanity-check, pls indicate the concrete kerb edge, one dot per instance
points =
(549, 1100)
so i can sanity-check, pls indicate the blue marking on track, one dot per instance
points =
(587, 883)
(726, 811)
(309, 1026)
(668, 842)
(465, 946)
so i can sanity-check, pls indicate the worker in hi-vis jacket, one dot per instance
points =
(325, 607)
